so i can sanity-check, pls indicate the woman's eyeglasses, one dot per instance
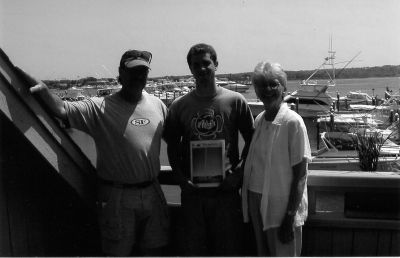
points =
(273, 84)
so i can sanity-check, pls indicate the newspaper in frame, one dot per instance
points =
(207, 162)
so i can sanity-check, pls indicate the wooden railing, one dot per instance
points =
(352, 214)
(342, 220)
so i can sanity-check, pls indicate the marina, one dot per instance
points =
(347, 116)
(45, 220)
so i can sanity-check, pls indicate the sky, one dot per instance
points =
(71, 39)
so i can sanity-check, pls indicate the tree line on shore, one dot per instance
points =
(347, 73)
(363, 72)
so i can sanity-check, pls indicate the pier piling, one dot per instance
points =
(332, 121)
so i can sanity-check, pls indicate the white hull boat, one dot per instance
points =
(311, 97)
(233, 86)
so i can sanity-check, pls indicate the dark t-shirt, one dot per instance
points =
(193, 118)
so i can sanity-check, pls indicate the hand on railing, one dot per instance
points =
(34, 84)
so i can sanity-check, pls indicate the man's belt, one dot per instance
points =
(143, 184)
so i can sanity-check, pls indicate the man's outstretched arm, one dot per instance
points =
(52, 101)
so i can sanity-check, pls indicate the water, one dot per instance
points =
(371, 86)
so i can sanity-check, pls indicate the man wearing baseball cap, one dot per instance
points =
(127, 129)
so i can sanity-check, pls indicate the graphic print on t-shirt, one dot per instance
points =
(206, 124)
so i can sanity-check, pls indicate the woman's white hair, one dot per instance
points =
(266, 71)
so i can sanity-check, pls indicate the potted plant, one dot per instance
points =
(368, 145)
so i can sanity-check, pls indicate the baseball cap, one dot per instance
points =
(133, 58)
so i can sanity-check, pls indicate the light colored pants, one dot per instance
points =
(268, 243)
(129, 216)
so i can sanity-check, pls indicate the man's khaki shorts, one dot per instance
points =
(132, 216)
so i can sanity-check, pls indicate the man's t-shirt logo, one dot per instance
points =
(206, 125)
(140, 121)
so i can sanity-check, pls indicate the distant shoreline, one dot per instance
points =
(347, 73)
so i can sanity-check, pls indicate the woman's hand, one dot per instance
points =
(233, 180)
(286, 230)
(187, 186)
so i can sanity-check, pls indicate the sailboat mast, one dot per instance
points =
(330, 58)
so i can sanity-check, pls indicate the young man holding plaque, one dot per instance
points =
(196, 125)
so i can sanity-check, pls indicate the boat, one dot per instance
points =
(233, 86)
(311, 97)
(356, 97)
(391, 102)
(347, 122)
(238, 87)
(386, 111)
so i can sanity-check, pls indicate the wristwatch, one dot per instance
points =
(291, 213)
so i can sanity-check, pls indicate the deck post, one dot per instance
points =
(338, 100)
(391, 116)
(317, 135)
(332, 121)
(297, 105)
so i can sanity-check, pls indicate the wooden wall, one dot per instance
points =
(331, 240)
(40, 213)
(352, 214)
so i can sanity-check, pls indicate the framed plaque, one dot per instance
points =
(207, 162)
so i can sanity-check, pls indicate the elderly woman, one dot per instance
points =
(275, 177)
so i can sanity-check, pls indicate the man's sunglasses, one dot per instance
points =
(145, 56)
